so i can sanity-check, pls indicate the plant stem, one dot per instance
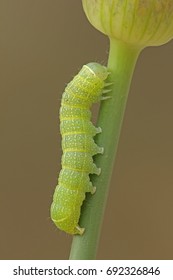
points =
(121, 63)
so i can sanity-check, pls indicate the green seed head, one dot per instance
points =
(137, 22)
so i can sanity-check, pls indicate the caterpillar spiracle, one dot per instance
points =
(78, 146)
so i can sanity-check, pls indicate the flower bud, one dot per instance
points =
(137, 22)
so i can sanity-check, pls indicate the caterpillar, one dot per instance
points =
(78, 146)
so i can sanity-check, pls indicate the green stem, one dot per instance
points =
(121, 63)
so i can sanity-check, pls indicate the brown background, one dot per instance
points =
(42, 45)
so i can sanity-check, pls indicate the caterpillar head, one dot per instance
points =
(98, 70)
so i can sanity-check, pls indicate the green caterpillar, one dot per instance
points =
(78, 146)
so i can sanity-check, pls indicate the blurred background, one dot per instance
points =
(43, 44)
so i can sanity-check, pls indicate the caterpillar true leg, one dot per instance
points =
(105, 97)
(106, 91)
(108, 84)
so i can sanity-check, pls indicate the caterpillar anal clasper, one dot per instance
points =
(78, 146)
